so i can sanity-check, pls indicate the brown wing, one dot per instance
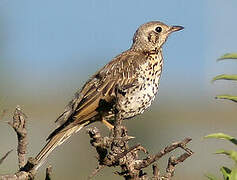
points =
(120, 71)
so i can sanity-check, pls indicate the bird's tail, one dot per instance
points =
(55, 141)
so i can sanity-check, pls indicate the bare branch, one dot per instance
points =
(112, 151)
(151, 159)
(19, 125)
(115, 151)
(171, 165)
(22, 175)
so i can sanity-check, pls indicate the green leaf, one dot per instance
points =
(222, 136)
(226, 96)
(228, 56)
(225, 172)
(211, 177)
(225, 77)
(219, 136)
(233, 175)
(232, 154)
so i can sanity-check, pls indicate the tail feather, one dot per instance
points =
(55, 141)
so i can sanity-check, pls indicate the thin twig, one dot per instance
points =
(98, 168)
(172, 162)
(5, 156)
(151, 159)
(113, 151)
(48, 173)
(118, 153)
(156, 172)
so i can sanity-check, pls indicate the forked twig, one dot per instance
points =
(115, 151)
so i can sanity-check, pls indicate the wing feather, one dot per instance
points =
(121, 71)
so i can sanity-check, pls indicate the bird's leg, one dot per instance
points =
(107, 124)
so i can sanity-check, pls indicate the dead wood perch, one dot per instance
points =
(19, 125)
(24, 173)
(115, 151)
(112, 151)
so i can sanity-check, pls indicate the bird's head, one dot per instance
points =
(152, 35)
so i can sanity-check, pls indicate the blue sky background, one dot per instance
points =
(48, 48)
(71, 40)
(68, 41)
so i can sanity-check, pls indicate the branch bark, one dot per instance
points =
(24, 172)
(19, 125)
(115, 151)
(112, 151)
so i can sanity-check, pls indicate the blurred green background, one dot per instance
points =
(48, 49)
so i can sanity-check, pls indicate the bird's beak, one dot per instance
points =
(176, 28)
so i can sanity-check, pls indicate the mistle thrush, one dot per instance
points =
(129, 81)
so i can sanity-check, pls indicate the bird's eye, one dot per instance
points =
(158, 29)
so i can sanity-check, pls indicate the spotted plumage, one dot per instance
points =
(139, 97)
(128, 83)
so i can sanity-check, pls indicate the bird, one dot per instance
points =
(127, 85)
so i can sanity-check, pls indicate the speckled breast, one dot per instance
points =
(140, 97)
